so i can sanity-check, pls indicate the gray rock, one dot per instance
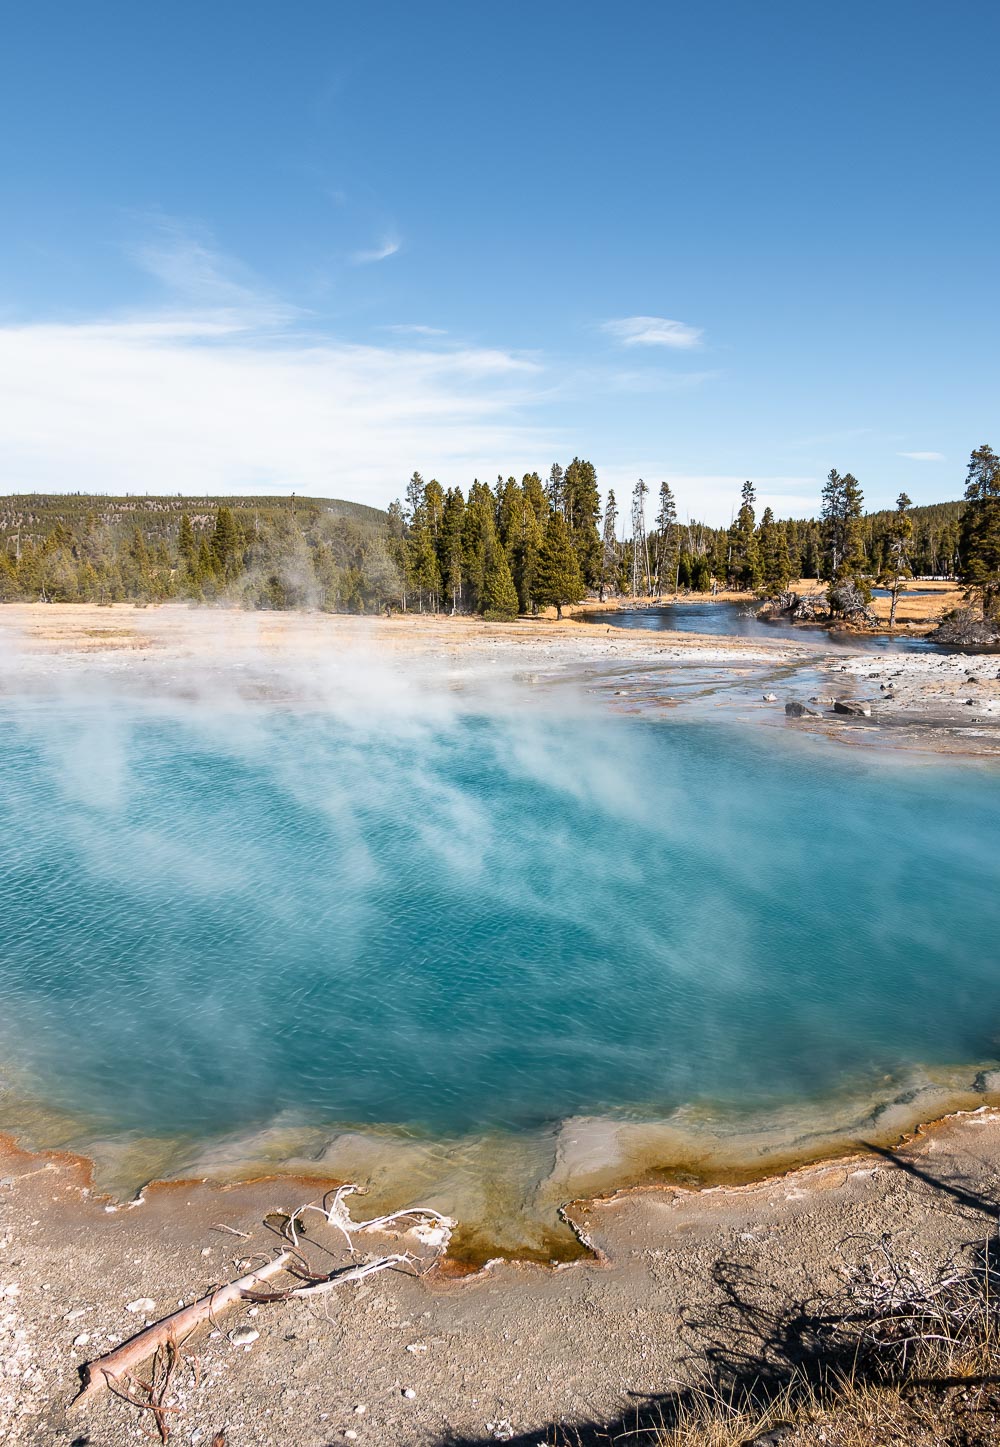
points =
(854, 707)
(794, 709)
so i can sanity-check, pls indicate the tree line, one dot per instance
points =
(499, 550)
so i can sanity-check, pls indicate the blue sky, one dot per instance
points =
(313, 246)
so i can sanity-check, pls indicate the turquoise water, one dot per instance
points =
(459, 923)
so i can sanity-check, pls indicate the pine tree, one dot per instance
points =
(582, 508)
(414, 497)
(896, 564)
(744, 560)
(610, 555)
(422, 562)
(509, 510)
(554, 489)
(843, 541)
(8, 577)
(499, 600)
(186, 545)
(450, 545)
(640, 547)
(478, 531)
(558, 580)
(530, 531)
(772, 548)
(980, 530)
(224, 542)
(667, 541)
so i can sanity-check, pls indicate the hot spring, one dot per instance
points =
(418, 942)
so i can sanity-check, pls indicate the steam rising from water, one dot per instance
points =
(367, 902)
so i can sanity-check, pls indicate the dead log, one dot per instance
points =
(172, 1330)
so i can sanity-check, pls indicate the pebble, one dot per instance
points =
(244, 1337)
(141, 1303)
(409, 1393)
(360, 1410)
(76, 1314)
(82, 1339)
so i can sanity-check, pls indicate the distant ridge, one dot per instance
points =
(32, 515)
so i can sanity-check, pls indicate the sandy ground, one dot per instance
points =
(504, 1354)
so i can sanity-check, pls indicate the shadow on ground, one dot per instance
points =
(758, 1351)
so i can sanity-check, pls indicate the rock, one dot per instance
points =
(409, 1393)
(794, 709)
(777, 1434)
(244, 1337)
(144, 1304)
(770, 698)
(854, 707)
(82, 1339)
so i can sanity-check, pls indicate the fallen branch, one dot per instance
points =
(108, 1370)
(429, 1225)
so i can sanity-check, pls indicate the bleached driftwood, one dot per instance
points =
(429, 1226)
(172, 1330)
(115, 1368)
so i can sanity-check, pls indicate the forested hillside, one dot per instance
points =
(266, 552)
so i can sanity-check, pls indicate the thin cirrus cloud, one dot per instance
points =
(923, 456)
(414, 329)
(388, 246)
(653, 332)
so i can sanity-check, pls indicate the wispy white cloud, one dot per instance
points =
(414, 329)
(388, 246)
(195, 272)
(656, 381)
(653, 332)
(923, 456)
(203, 402)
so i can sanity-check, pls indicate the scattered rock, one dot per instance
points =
(142, 1303)
(794, 709)
(854, 707)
